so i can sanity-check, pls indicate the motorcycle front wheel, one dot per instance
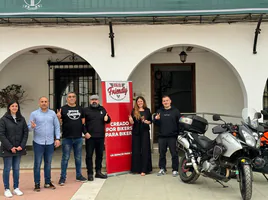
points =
(187, 173)
(245, 175)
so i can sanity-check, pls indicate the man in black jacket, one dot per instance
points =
(167, 118)
(95, 119)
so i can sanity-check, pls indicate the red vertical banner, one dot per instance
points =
(118, 101)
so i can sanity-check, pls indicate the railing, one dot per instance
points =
(236, 119)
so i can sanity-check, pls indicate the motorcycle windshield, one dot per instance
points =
(249, 116)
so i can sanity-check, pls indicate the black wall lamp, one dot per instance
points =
(183, 55)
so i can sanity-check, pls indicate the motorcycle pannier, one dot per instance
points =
(194, 124)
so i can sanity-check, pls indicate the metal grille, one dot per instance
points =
(72, 76)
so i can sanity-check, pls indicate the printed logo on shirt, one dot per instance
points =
(73, 114)
(101, 112)
(166, 114)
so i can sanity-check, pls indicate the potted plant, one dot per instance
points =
(11, 92)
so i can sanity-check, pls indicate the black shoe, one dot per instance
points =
(90, 178)
(37, 187)
(50, 185)
(100, 175)
(61, 181)
(81, 179)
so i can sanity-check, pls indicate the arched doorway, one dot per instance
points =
(49, 71)
(205, 84)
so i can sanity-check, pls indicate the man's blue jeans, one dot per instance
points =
(39, 152)
(67, 145)
(14, 162)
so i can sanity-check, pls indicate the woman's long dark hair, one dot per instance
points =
(18, 114)
(137, 114)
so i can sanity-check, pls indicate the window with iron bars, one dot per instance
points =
(78, 77)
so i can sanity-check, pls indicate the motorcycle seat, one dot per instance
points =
(204, 141)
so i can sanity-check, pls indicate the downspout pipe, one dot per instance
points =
(257, 32)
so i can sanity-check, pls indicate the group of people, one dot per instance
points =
(77, 122)
(45, 125)
(167, 118)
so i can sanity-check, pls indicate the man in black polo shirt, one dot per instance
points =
(72, 118)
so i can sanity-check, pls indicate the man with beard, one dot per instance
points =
(95, 119)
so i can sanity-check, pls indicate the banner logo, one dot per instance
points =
(32, 4)
(117, 92)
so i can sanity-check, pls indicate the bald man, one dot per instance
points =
(46, 133)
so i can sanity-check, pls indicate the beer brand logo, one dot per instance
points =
(117, 91)
(32, 4)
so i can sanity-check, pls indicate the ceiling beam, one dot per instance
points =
(215, 18)
(65, 20)
(169, 49)
(35, 20)
(51, 50)
(189, 48)
(33, 51)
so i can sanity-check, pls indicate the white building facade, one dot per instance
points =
(227, 76)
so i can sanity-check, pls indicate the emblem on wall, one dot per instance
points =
(32, 4)
(117, 92)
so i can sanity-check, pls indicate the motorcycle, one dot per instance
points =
(262, 159)
(234, 147)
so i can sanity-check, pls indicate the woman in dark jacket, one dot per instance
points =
(13, 137)
(141, 119)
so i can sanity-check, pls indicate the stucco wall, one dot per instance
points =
(233, 42)
(133, 44)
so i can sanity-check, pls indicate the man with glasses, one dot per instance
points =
(72, 118)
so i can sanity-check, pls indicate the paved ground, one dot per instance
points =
(152, 187)
(136, 187)
(27, 185)
(129, 186)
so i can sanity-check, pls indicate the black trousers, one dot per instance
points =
(163, 143)
(92, 144)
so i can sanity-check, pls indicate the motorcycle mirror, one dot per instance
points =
(257, 115)
(264, 112)
(216, 117)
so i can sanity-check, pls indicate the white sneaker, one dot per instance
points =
(8, 193)
(18, 192)
(175, 173)
(161, 172)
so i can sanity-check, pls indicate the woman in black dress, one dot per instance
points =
(141, 148)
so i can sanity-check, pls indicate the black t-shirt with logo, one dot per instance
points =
(72, 126)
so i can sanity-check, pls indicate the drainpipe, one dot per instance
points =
(257, 32)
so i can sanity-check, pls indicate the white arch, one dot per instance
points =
(234, 70)
(21, 51)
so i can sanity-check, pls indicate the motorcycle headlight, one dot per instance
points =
(249, 139)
